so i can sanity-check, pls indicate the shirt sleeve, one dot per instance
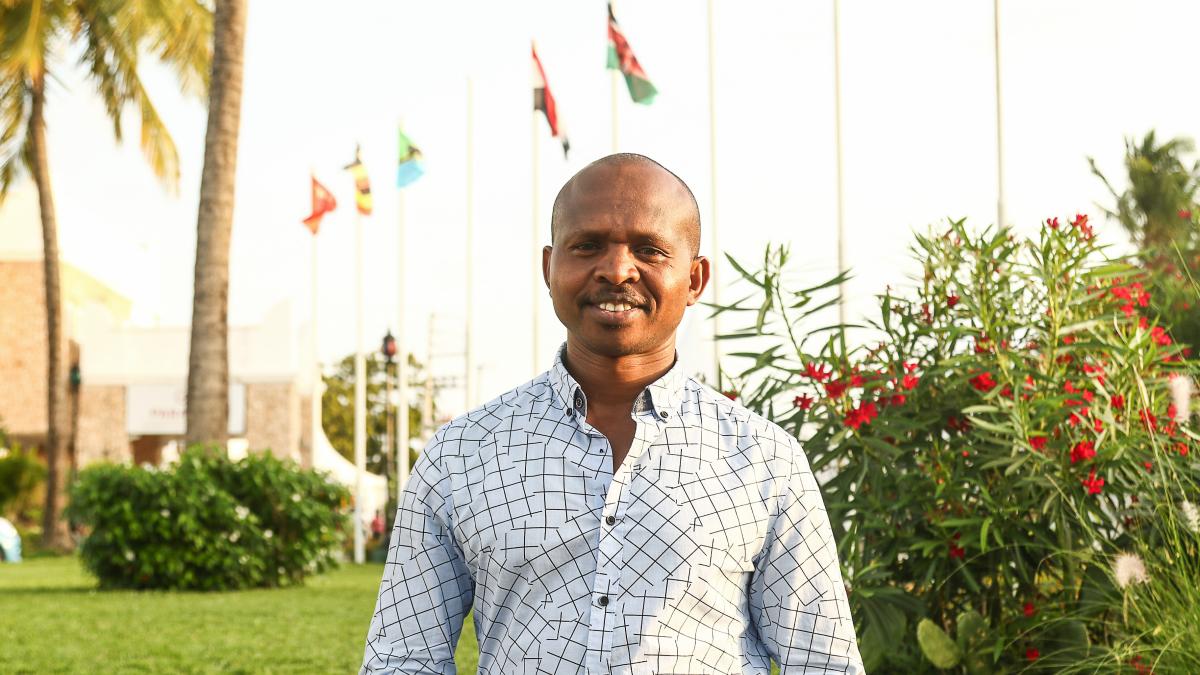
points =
(426, 589)
(798, 601)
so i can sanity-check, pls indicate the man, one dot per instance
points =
(614, 515)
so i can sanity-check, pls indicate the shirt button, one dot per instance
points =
(570, 412)
(611, 520)
(664, 414)
(603, 601)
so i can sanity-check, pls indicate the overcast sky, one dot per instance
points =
(918, 129)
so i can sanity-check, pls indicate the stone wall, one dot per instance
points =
(273, 418)
(101, 435)
(23, 358)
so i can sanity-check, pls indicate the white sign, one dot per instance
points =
(161, 409)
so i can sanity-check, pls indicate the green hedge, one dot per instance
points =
(207, 523)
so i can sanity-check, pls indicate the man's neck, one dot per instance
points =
(616, 381)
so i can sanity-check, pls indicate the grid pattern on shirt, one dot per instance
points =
(707, 551)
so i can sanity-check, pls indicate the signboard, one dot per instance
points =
(161, 409)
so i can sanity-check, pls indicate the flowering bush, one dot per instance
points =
(207, 523)
(1010, 425)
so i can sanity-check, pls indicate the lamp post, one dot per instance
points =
(388, 349)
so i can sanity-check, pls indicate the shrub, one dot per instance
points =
(1010, 427)
(207, 523)
(21, 473)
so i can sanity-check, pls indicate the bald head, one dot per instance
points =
(658, 186)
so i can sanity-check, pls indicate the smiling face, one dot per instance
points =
(623, 267)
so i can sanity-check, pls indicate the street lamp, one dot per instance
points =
(388, 349)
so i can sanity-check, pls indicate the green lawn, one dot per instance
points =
(53, 620)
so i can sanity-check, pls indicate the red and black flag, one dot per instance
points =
(620, 57)
(543, 100)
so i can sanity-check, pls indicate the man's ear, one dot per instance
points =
(700, 274)
(546, 251)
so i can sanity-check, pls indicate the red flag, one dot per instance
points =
(322, 203)
(543, 100)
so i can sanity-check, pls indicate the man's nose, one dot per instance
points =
(618, 266)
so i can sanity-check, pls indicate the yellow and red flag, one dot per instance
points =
(362, 186)
(322, 203)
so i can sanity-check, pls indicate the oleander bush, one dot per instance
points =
(985, 445)
(207, 523)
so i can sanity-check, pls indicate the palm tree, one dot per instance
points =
(1161, 190)
(113, 34)
(208, 360)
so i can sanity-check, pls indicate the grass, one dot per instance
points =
(53, 620)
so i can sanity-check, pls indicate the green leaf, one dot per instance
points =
(937, 647)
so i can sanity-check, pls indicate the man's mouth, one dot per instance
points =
(615, 312)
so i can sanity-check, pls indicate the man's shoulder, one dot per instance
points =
(749, 426)
(477, 426)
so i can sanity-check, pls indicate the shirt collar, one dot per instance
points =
(665, 393)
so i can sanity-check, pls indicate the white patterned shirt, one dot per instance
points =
(707, 551)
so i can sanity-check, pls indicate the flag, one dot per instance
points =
(620, 57)
(411, 167)
(362, 186)
(543, 100)
(322, 203)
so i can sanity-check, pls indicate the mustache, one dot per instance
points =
(616, 296)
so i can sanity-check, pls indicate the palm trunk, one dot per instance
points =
(208, 361)
(53, 529)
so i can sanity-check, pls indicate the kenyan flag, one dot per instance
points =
(620, 57)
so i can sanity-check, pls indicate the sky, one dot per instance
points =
(918, 130)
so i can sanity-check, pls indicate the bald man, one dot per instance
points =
(615, 515)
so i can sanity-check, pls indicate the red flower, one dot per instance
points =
(956, 424)
(1143, 322)
(1038, 442)
(1032, 654)
(1118, 402)
(1080, 220)
(1148, 419)
(835, 388)
(1030, 610)
(956, 551)
(983, 382)
(1148, 464)
(1052, 223)
(818, 373)
(911, 366)
(1097, 425)
(909, 382)
(1160, 336)
(1006, 392)
(1083, 451)
(732, 394)
(856, 380)
(894, 400)
(861, 415)
(1182, 448)
(1094, 485)
(1185, 214)
(951, 300)
(1068, 339)
(804, 401)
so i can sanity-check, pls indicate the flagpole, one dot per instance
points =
(314, 410)
(469, 356)
(837, 141)
(712, 217)
(535, 250)
(999, 121)
(360, 392)
(402, 431)
(614, 87)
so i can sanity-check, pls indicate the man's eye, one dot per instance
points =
(587, 246)
(651, 251)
